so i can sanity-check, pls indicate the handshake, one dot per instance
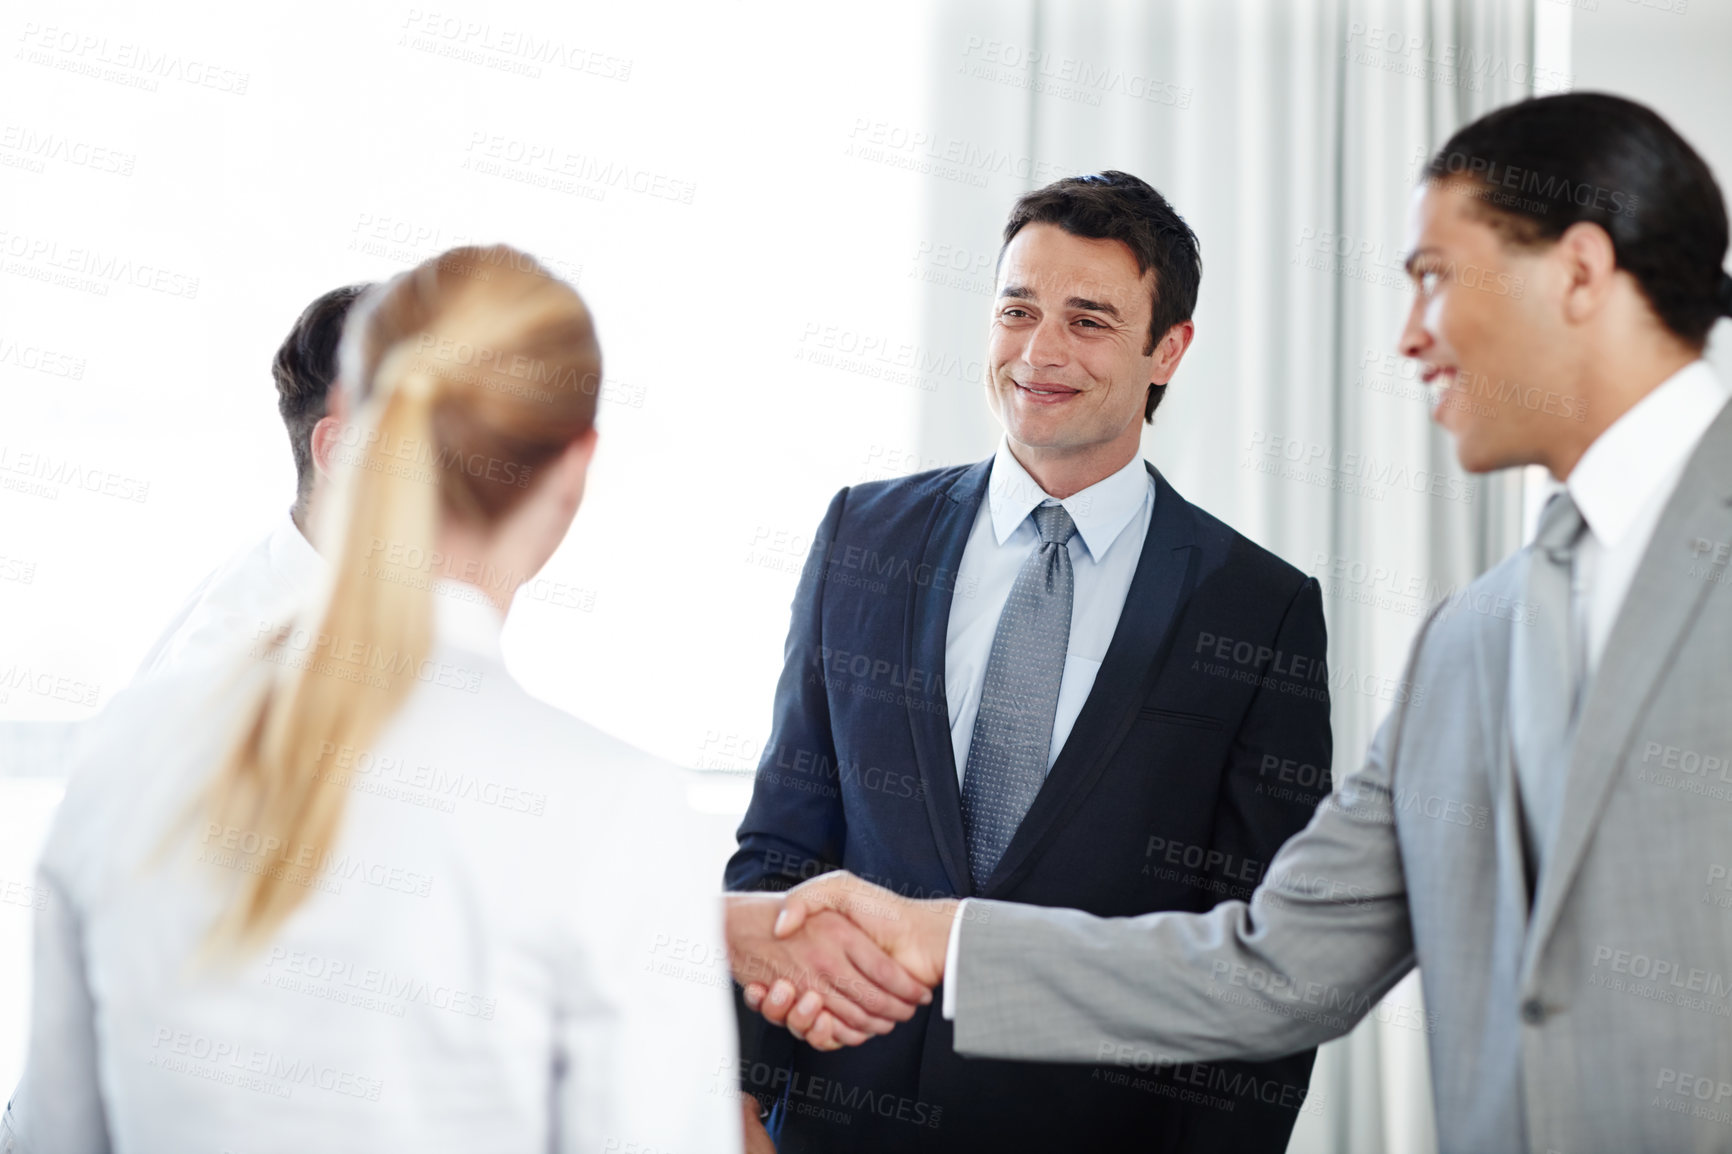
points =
(837, 960)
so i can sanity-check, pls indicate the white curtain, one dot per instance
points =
(1289, 135)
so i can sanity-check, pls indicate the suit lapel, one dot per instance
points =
(1664, 598)
(1126, 677)
(1492, 657)
(923, 645)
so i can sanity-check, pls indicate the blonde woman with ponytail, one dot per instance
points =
(355, 889)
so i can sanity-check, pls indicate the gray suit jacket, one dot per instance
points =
(1601, 1023)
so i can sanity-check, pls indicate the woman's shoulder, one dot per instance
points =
(136, 763)
(504, 734)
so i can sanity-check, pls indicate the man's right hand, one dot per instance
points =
(915, 933)
(832, 965)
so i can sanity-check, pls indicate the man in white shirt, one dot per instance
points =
(1574, 944)
(1043, 678)
(249, 590)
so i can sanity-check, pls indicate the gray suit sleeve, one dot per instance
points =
(1322, 940)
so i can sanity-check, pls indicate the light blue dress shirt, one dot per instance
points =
(1112, 519)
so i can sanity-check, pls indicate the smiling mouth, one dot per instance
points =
(1439, 380)
(1048, 392)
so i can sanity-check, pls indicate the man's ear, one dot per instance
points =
(326, 435)
(1171, 351)
(328, 432)
(1590, 264)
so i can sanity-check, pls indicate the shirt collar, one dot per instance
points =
(1100, 511)
(294, 556)
(464, 617)
(1629, 464)
(463, 614)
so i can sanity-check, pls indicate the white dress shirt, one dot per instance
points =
(256, 585)
(1620, 485)
(1112, 518)
(513, 945)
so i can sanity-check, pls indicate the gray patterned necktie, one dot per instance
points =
(1007, 756)
(1547, 666)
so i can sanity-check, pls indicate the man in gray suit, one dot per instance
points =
(1546, 831)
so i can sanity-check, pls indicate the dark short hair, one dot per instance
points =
(305, 368)
(1537, 167)
(1117, 206)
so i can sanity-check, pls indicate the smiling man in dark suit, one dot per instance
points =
(1043, 678)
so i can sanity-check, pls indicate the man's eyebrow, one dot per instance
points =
(1023, 292)
(1094, 307)
(1407, 265)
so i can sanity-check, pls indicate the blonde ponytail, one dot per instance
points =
(370, 637)
(476, 355)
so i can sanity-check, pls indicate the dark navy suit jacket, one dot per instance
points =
(1203, 746)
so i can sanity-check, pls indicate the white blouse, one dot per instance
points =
(513, 945)
(252, 588)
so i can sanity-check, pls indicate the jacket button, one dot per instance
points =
(1533, 1013)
